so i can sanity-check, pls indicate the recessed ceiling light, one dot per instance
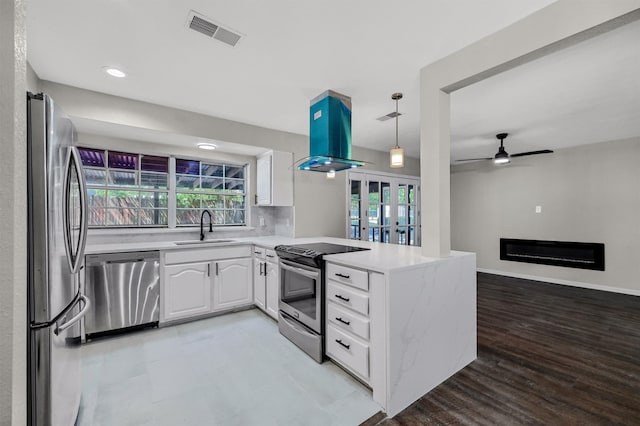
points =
(114, 72)
(207, 146)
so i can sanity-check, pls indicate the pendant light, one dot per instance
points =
(396, 155)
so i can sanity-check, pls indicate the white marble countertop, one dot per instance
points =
(381, 258)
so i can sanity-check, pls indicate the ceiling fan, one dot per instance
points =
(502, 156)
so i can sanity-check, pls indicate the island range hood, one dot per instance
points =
(330, 134)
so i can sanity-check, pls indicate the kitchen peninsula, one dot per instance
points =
(421, 311)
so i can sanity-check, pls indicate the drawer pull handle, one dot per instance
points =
(346, 277)
(343, 321)
(257, 252)
(270, 255)
(342, 344)
(341, 297)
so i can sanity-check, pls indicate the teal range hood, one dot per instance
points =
(330, 134)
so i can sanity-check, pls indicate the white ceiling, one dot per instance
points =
(583, 94)
(292, 51)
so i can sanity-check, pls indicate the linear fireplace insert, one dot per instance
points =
(558, 253)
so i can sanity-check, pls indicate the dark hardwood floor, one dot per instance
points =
(547, 355)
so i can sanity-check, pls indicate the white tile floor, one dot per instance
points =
(234, 369)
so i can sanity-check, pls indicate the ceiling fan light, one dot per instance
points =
(396, 156)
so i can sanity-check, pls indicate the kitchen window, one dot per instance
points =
(125, 189)
(217, 187)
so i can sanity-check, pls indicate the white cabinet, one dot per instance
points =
(232, 283)
(196, 282)
(274, 179)
(259, 289)
(266, 281)
(347, 319)
(187, 290)
(273, 288)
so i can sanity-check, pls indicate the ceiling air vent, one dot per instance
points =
(206, 26)
(389, 116)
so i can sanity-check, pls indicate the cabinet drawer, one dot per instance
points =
(348, 351)
(271, 256)
(349, 276)
(344, 319)
(258, 252)
(345, 296)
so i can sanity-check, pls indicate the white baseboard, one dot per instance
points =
(628, 291)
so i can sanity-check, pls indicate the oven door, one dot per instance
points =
(301, 293)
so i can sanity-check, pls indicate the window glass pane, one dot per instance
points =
(218, 217)
(402, 194)
(187, 167)
(212, 184)
(234, 217)
(92, 157)
(96, 216)
(153, 180)
(125, 199)
(187, 217)
(234, 202)
(412, 219)
(386, 192)
(216, 170)
(122, 217)
(386, 220)
(212, 201)
(374, 197)
(117, 178)
(402, 215)
(187, 201)
(153, 199)
(151, 163)
(187, 183)
(96, 197)
(95, 177)
(412, 194)
(123, 160)
(153, 216)
(235, 185)
(234, 172)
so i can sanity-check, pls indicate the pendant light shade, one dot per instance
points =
(396, 155)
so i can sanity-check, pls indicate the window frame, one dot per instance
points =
(171, 190)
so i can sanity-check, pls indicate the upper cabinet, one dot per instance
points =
(275, 179)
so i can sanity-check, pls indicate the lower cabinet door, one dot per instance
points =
(259, 295)
(273, 289)
(187, 290)
(232, 284)
(348, 351)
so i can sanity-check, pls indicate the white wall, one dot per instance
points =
(320, 208)
(587, 194)
(13, 225)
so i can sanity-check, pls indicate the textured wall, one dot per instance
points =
(587, 194)
(13, 249)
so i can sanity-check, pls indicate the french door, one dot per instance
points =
(383, 208)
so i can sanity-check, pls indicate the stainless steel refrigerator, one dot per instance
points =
(57, 215)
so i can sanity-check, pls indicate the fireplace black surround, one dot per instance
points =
(557, 253)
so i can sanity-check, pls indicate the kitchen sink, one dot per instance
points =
(198, 242)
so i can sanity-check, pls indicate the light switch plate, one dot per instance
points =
(538, 209)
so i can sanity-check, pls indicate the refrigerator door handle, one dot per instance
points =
(77, 317)
(75, 259)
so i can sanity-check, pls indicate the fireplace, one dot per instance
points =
(558, 253)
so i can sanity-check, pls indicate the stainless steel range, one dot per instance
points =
(302, 293)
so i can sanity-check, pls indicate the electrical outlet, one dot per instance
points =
(538, 209)
(261, 221)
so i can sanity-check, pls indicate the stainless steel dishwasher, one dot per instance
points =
(125, 292)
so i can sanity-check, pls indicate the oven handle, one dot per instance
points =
(288, 267)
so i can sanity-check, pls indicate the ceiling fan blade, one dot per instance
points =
(476, 159)
(542, 151)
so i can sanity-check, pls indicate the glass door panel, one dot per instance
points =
(355, 207)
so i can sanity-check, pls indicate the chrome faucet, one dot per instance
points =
(202, 223)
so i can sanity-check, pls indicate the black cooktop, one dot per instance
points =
(312, 253)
